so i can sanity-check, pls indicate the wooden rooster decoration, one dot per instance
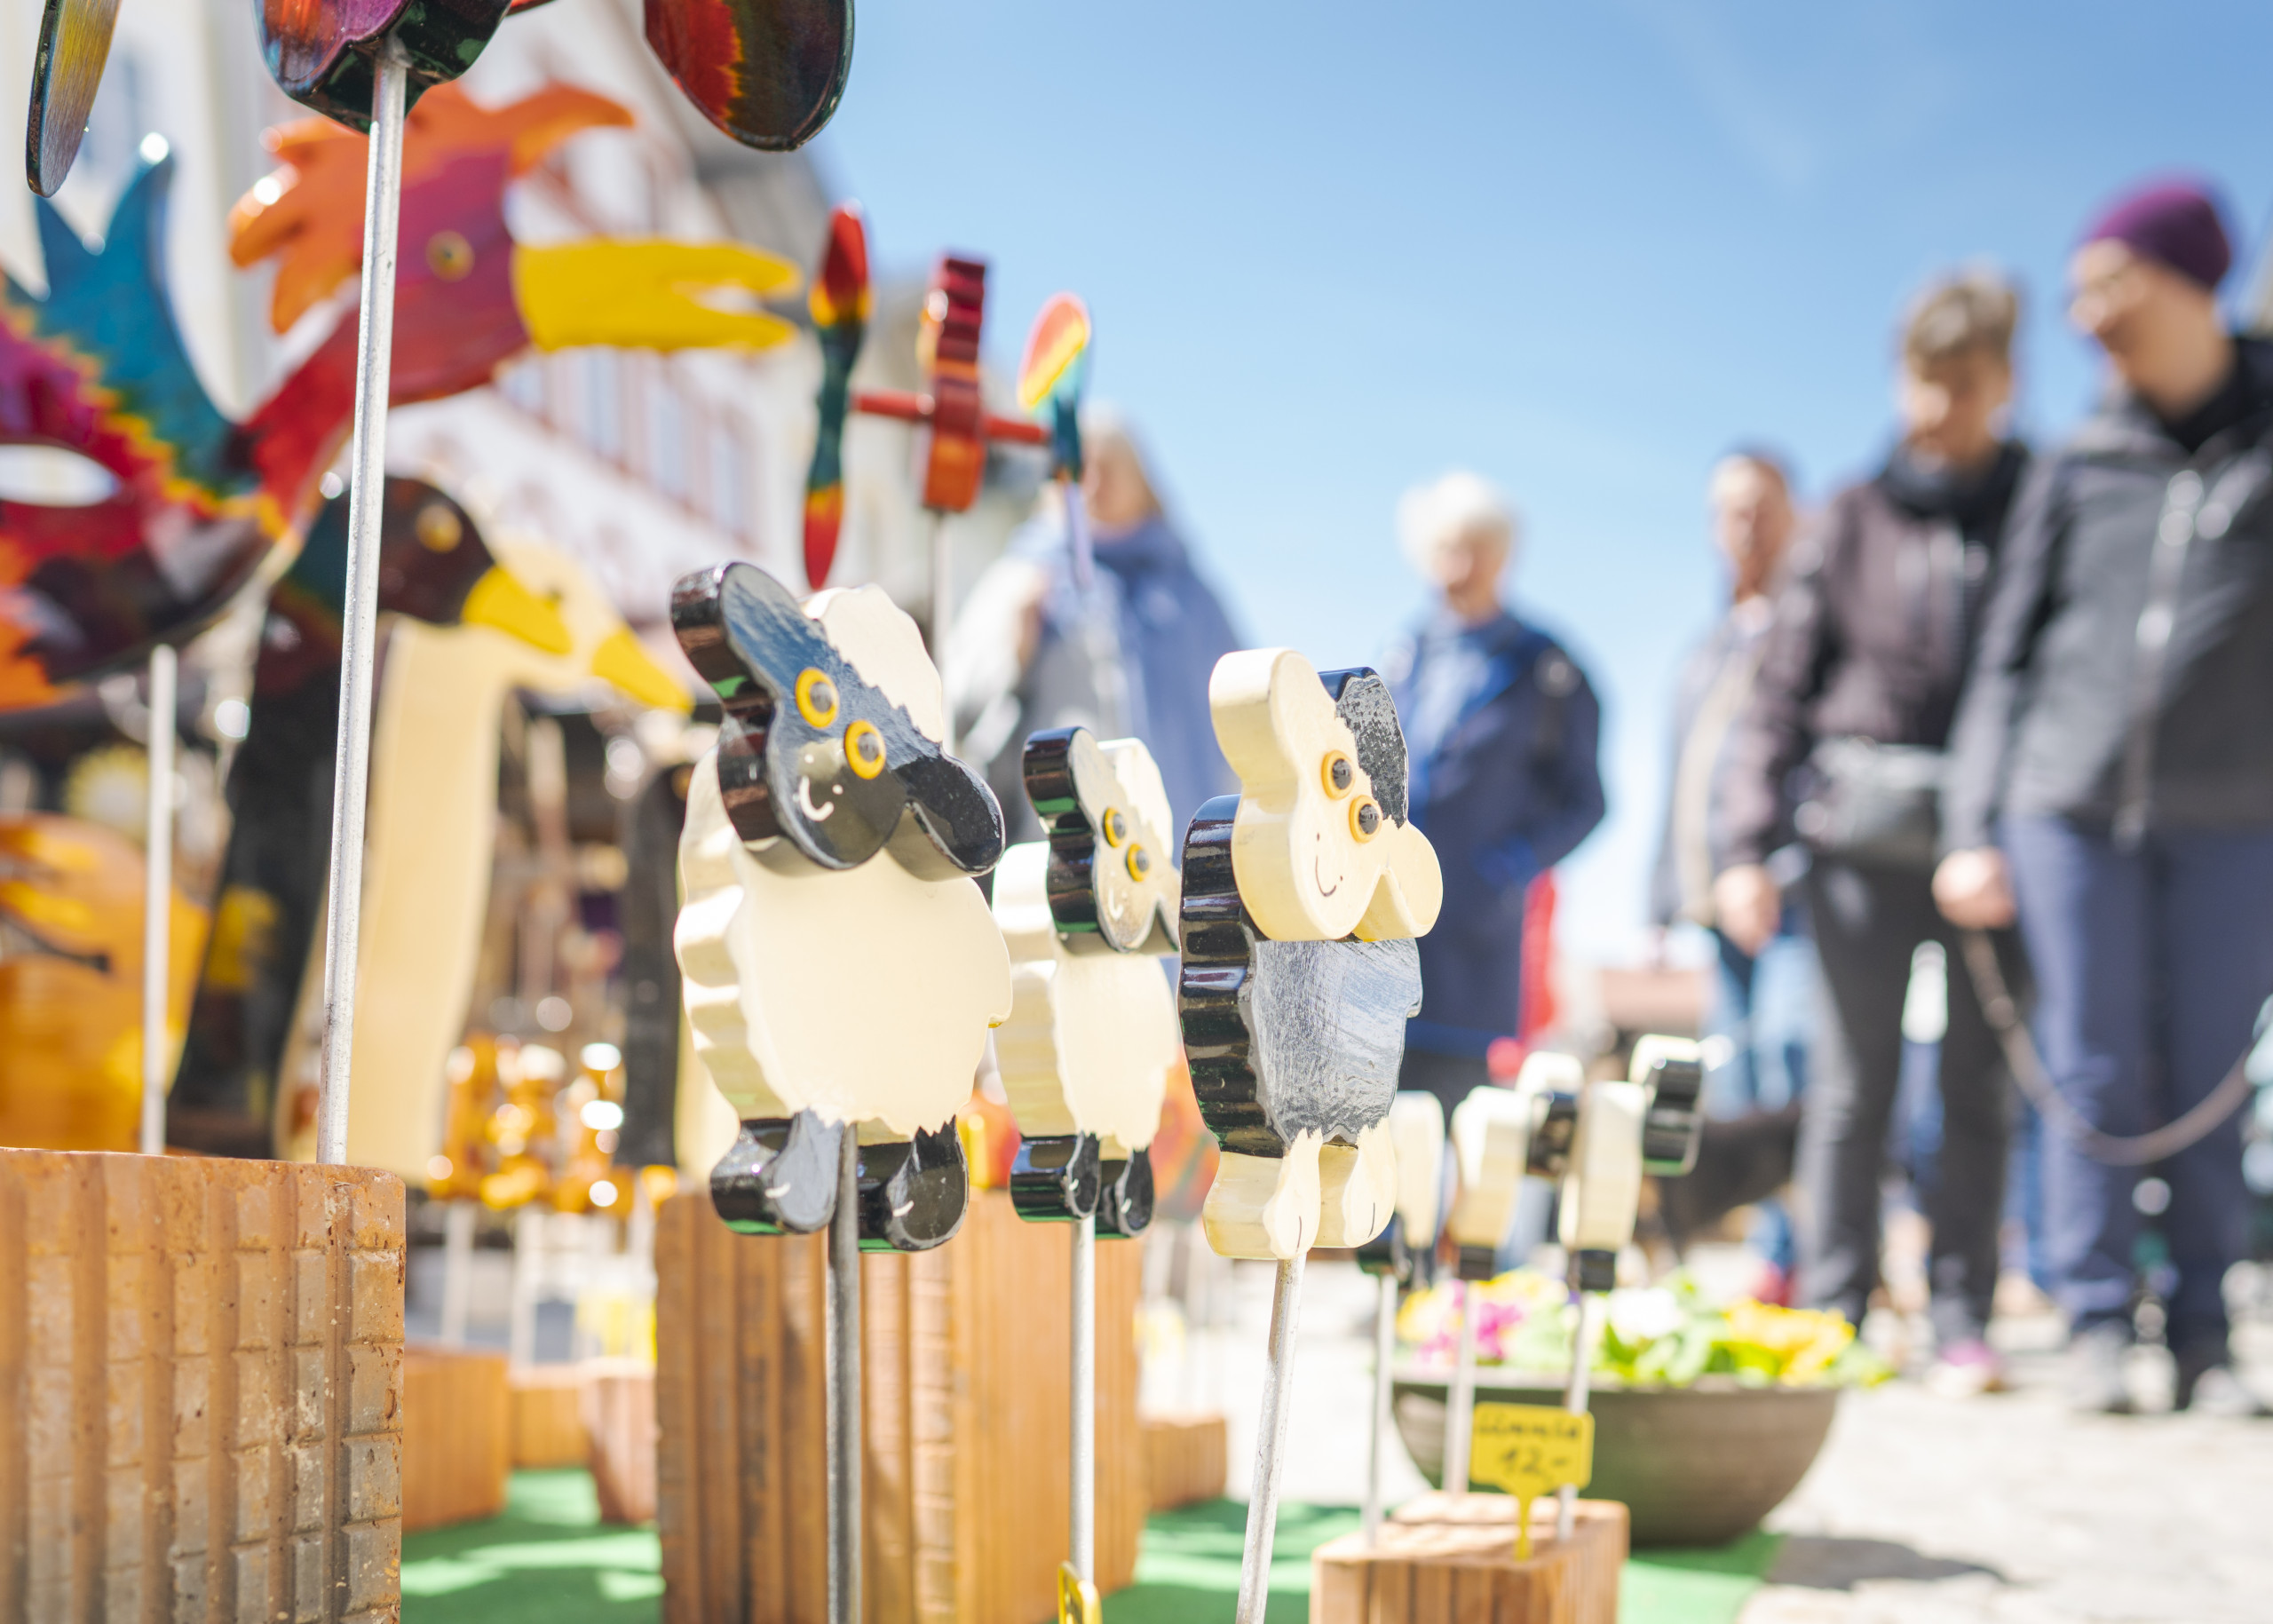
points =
(195, 502)
(1302, 897)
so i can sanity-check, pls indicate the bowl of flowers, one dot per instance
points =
(1706, 1414)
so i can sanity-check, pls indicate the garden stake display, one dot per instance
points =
(1302, 897)
(1598, 1140)
(1498, 1136)
(1402, 1256)
(840, 970)
(1086, 1054)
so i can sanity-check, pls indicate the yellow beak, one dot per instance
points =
(620, 660)
(650, 294)
(499, 601)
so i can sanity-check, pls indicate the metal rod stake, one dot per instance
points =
(843, 1395)
(1384, 1350)
(458, 1270)
(943, 613)
(1459, 1414)
(1271, 1444)
(157, 901)
(1082, 1545)
(1574, 1400)
(359, 628)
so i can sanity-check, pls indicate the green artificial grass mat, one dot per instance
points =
(1188, 1566)
(1695, 1586)
(549, 1560)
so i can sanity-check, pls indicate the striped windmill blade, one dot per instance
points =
(1055, 363)
(839, 302)
(74, 46)
(768, 73)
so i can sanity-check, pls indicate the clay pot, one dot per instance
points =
(1694, 1466)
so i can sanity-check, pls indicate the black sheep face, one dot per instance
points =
(813, 748)
(1113, 877)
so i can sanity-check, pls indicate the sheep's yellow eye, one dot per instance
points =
(864, 748)
(817, 698)
(1364, 818)
(1115, 825)
(1140, 863)
(1339, 774)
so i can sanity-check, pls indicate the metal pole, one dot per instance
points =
(1384, 1349)
(1271, 1445)
(457, 1271)
(1459, 1414)
(359, 628)
(843, 1397)
(1574, 1400)
(528, 1281)
(943, 613)
(157, 901)
(1083, 1543)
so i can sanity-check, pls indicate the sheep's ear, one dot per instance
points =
(952, 825)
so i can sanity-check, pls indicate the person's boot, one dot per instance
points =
(2209, 1385)
(2095, 1383)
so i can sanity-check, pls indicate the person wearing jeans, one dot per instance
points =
(2111, 779)
(1762, 1002)
(1834, 765)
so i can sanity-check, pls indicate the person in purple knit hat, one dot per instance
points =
(2111, 784)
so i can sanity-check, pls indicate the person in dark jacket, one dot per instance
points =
(1762, 1002)
(1128, 654)
(2113, 777)
(1839, 748)
(1501, 729)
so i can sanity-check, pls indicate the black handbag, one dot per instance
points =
(1873, 803)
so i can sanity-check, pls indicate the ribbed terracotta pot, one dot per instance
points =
(1694, 1466)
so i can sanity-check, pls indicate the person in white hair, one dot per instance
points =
(1501, 727)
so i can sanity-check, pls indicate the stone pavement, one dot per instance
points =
(1925, 1510)
(1922, 1510)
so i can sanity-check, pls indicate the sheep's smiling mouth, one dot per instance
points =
(1317, 873)
(819, 814)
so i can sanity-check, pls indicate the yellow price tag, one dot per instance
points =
(1529, 1450)
(1077, 1598)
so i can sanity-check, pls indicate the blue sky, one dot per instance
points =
(1333, 250)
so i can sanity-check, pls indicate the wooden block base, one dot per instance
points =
(201, 1389)
(548, 1422)
(1187, 1459)
(457, 1450)
(620, 1420)
(1464, 1570)
(964, 1355)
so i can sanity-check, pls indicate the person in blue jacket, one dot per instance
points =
(1501, 727)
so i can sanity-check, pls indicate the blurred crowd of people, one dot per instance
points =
(2004, 709)
(2001, 713)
